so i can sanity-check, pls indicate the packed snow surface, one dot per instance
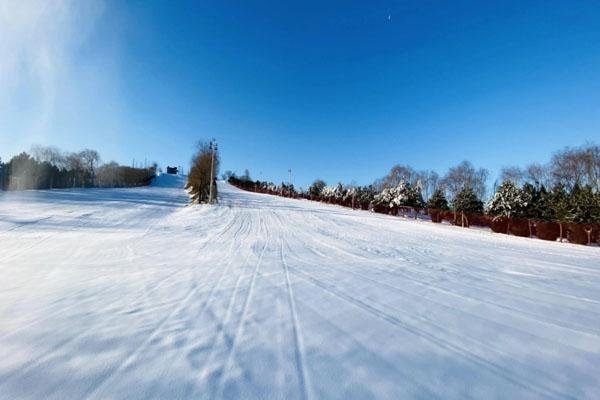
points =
(129, 293)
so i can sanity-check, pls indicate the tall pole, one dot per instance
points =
(212, 168)
(213, 147)
(290, 188)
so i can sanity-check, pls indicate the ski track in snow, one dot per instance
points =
(129, 293)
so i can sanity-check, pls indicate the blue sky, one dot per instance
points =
(338, 90)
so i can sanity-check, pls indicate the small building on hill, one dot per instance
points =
(172, 170)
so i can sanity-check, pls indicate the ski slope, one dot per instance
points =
(129, 293)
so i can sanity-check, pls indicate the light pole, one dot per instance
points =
(290, 188)
(213, 148)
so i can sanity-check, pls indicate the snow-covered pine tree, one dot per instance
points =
(339, 193)
(328, 193)
(349, 198)
(508, 201)
(400, 195)
(414, 198)
(333, 194)
(365, 196)
(403, 195)
(532, 196)
(382, 201)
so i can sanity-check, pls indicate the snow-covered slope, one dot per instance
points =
(128, 293)
(169, 181)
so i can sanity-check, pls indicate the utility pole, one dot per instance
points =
(213, 148)
(290, 181)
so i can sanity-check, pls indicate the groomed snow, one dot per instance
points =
(128, 293)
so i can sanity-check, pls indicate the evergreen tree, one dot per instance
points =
(559, 204)
(2, 168)
(543, 207)
(332, 193)
(365, 196)
(287, 189)
(508, 201)
(415, 197)
(466, 201)
(350, 197)
(316, 188)
(438, 201)
(403, 195)
(583, 206)
(532, 196)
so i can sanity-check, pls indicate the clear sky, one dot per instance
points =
(339, 90)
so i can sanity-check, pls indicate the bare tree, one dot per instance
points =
(568, 167)
(464, 175)
(199, 182)
(538, 174)
(592, 155)
(397, 174)
(90, 158)
(512, 174)
(246, 175)
(108, 175)
(49, 154)
(429, 181)
(75, 164)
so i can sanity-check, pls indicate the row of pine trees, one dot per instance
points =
(579, 205)
(564, 191)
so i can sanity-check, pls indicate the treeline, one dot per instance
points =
(50, 168)
(558, 200)
(246, 183)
